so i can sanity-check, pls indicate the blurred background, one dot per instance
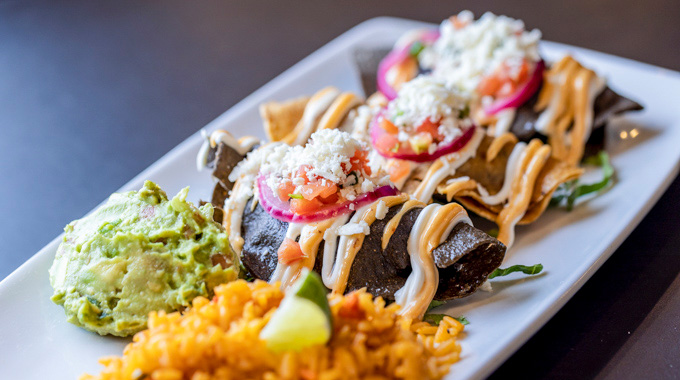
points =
(93, 92)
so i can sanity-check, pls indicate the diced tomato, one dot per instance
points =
(302, 172)
(388, 126)
(428, 126)
(318, 189)
(285, 188)
(398, 169)
(290, 252)
(505, 81)
(304, 206)
(387, 143)
(331, 199)
(402, 72)
(457, 23)
(350, 307)
(360, 162)
(489, 85)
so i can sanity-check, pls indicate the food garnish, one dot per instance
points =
(137, 253)
(572, 190)
(530, 270)
(303, 318)
(422, 123)
(436, 319)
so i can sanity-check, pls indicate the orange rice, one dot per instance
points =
(218, 339)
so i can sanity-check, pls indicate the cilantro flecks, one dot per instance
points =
(416, 48)
(395, 148)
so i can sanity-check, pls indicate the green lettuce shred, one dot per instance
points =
(572, 190)
(526, 269)
(435, 319)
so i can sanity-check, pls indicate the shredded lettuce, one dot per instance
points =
(572, 190)
(244, 274)
(530, 270)
(434, 304)
(295, 196)
(435, 319)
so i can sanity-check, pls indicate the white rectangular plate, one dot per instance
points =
(38, 343)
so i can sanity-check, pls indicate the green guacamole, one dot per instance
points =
(139, 252)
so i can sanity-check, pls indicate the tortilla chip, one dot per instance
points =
(553, 174)
(280, 118)
(367, 60)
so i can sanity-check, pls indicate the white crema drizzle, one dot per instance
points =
(451, 162)
(242, 146)
(511, 171)
(422, 262)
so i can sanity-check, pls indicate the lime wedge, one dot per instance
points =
(310, 287)
(303, 318)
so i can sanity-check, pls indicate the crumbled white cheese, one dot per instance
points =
(422, 98)
(250, 166)
(353, 228)
(326, 157)
(361, 123)
(463, 56)
(486, 287)
(381, 210)
(427, 97)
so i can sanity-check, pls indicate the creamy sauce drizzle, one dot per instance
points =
(316, 107)
(512, 170)
(531, 162)
(504, 121)
(498, 143)
(566, 100)
(446, 166)
(338, 111)
(432, 227)
(241, 146)
(455, 185)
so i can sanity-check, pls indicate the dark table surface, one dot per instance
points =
(91, 93)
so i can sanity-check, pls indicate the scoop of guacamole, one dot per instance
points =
(138, 253)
